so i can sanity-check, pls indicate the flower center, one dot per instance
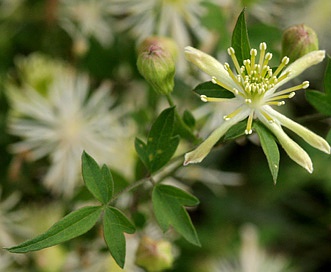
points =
(256, 84)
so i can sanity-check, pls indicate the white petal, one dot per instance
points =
(209, 65)
(198, 154)
(301, 64)
(293, 150)
(309, 136)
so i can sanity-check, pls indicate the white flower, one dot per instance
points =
(11, 222)
(63, 123)
(83, 19)
(175, 19)
(255, 87)
(251, 257)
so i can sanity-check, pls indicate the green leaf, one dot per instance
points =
(189, 119)
(240, 40)
(319, 100)
(98, 181)
(327, 78)
(114, 224)
(69, 227)
(210, 89)
(161, 145)
(270, 148)
(168, 202)
(235, 131)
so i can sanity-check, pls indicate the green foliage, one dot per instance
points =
(98, 181)
(161, 144)
(69, 227)
(189, 119)
(322, 101)
(210, 89)
(168, 202)
(240, 41)
(114, 224)
(270, 148)
(235, 131)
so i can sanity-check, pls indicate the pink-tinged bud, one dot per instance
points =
(298, 40)
(154, 255)
(156, 63)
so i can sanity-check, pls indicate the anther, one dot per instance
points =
(263, 46)
(291, 95)
(231, 51)
(248, 101)
(203, 98)
(253, 52)
(305, 84)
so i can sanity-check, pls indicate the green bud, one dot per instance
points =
(154, 255)
(298, 40)
(156, 63)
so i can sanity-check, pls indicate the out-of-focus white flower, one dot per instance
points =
(96, 260)
(255, 88)
(83, 19)
(65, 121)
(251, 257)
(11, 221)
(178, 20)
(12, 230)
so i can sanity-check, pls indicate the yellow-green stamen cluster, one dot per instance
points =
(256, 84)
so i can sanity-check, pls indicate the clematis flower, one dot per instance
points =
(256, 90)
(66, 120)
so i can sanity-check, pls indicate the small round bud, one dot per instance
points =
(298, 40)
(154, 255)
(156, 63)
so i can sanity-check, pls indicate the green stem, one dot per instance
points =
(130, 187)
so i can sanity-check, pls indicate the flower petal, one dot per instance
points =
(209, 65)
(301, 64)
(309, 136)
(198, 154)
(293, 150)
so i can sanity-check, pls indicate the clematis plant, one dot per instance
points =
(255, 90)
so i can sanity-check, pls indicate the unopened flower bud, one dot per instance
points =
(154, 255)
(156, 63)
(298, 40)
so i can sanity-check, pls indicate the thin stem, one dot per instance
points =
(130, 187)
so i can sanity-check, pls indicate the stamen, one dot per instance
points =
(283, 76)
(303, 85)
(216, 81)
(232, 114)
(279, 103)
(231, 52)
(231, 74)
(212, 99)
(253, 53)
(284, 96)
(263, 47)
(267, 58)
(267, 116)
(247, 66)
(248, 101)
(249, 124)
(284, 62)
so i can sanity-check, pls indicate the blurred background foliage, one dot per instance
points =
(287, 226)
